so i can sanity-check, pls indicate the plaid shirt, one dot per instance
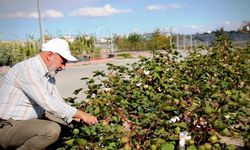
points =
(27, 92)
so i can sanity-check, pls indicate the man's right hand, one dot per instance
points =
(85, 117)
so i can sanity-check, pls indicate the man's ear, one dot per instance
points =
(49, 56)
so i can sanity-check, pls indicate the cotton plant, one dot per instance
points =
(158, 105)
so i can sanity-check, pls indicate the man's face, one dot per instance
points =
(57, 63)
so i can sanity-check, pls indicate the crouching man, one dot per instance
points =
(28, 91)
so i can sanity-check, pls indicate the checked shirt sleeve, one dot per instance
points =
(36, 88)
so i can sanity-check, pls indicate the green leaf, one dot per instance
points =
(76, 131)
(168, 146)
(69, 142)
(84, 78)
(97, 110)
(77, 91)
(192, 147)
(87, 130)
(99, 73)
(81, 141)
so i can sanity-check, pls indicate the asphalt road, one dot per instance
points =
(70, 79)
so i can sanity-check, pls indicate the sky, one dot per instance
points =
(19, 18)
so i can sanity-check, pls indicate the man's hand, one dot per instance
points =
(82, 116)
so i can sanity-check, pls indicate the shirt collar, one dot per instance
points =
(43, 68)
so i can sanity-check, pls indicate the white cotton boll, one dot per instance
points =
(146, 72)
(194, 122)
(183, 136)
(107, 89)
(177, 118)
(138, 84)
(159, 89)
(182, 145)
(241, 84)
(174, 119)
(203, 123)
(188, 138)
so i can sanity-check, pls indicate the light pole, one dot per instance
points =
(40, 22)
(170, 38)
(110, 46)
(191, 40)
(177, 42)
(184, 42)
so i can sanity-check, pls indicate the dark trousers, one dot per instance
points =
(34, 134)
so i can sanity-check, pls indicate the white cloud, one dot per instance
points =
(228, 25)
(106, 10)
(17, 15)
(32, 14)
(137, 30)
(198, 28)
(165, 6)
(156, 7)
(194, 27)
(175, 6)
(52, 14)
(191, 29)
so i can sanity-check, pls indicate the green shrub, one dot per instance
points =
(158, 100)
(4, 54)
(14, 52)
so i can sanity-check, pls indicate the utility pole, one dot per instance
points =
(191, 38)
(177, 42)
(40, 22)
(195, 44)
(184, 42)
(109, 44)
(170, 39)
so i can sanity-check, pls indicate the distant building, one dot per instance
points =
(234, 36)
(68, 38)
(245, 28)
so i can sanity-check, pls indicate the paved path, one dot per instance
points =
(69, 79)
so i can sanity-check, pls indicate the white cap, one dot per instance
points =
(59, 46)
